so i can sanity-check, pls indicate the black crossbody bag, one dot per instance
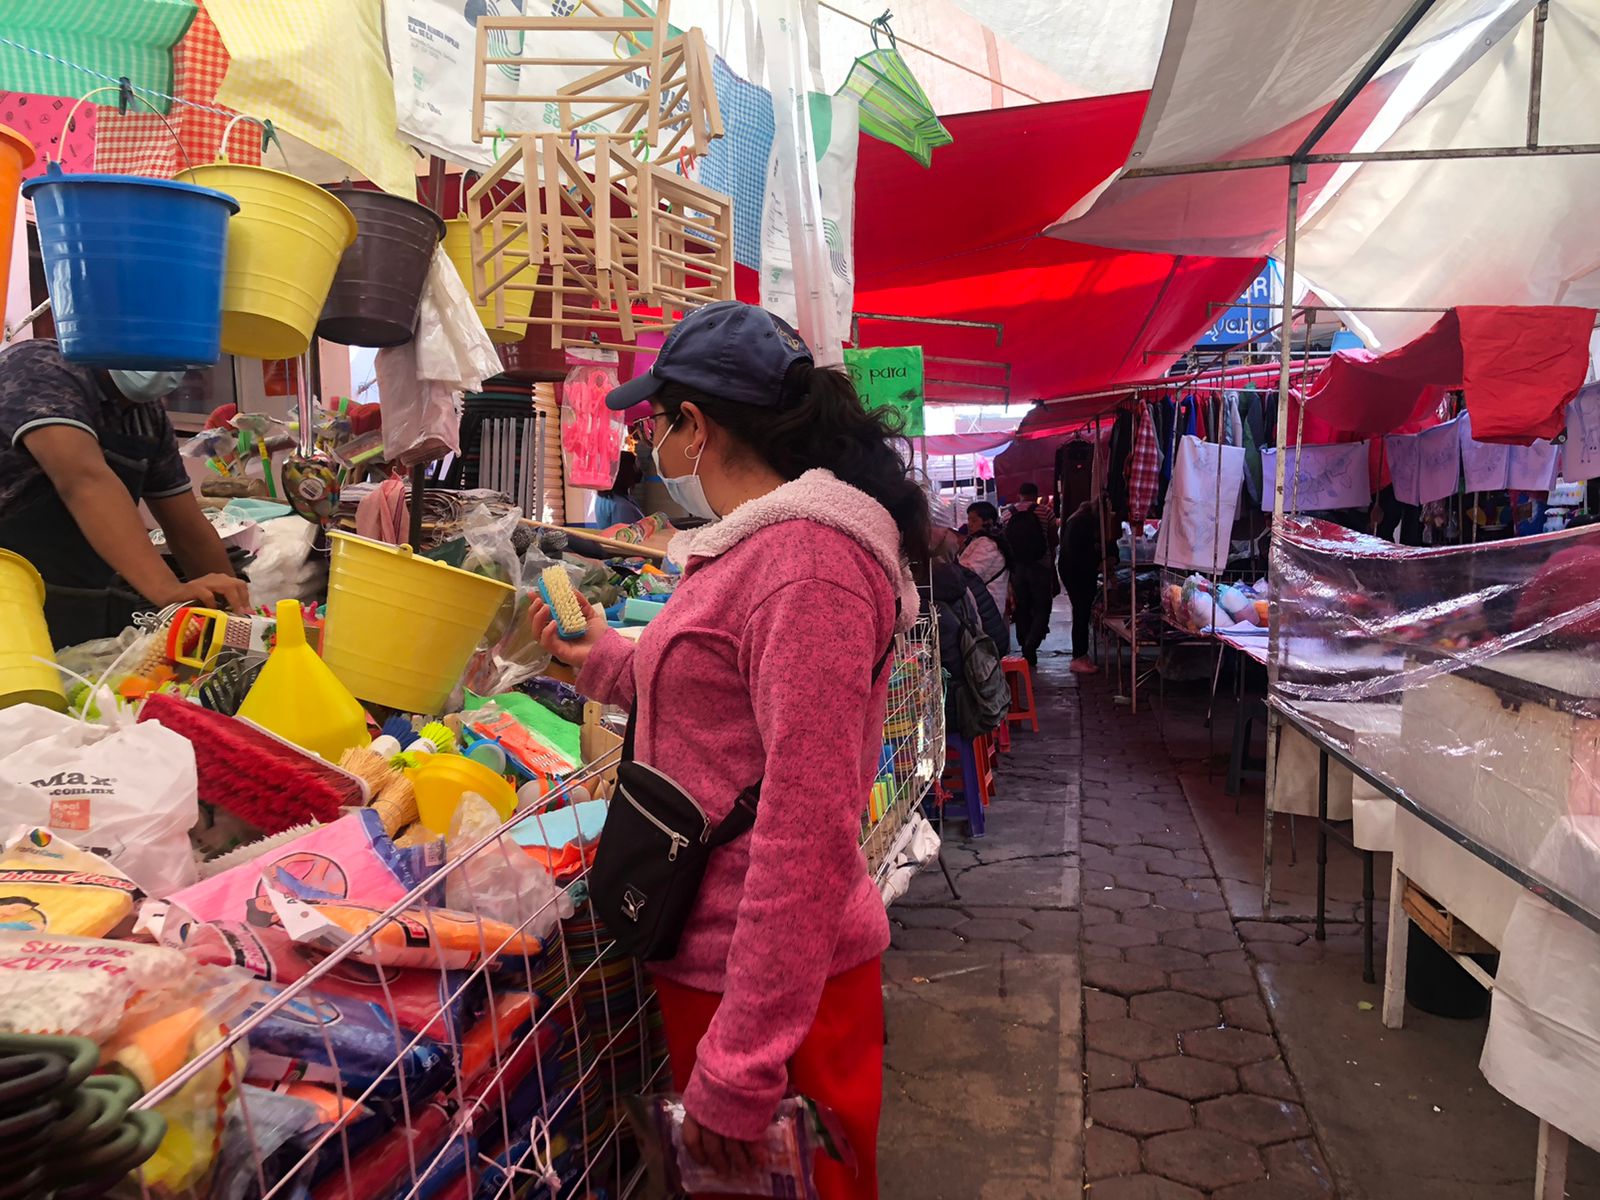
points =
(655, 847)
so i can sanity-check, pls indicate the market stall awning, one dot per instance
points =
(1518, 368)
(960, 241)
(1382, 234)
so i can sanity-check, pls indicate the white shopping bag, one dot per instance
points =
(126, 791)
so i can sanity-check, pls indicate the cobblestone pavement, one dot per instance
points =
(983, 1088)
(1187, 1092)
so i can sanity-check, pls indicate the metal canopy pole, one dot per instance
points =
(1297, 175)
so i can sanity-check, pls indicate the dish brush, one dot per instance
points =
(555, 587)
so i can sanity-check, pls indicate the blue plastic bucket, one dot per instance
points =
(134, 268)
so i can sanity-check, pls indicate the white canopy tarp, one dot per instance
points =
(1442, 232)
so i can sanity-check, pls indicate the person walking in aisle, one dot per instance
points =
(1079, 565)
(771, 664)
(984, 551)
(1029, 533)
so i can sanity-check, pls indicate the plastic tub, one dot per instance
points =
(400, 629)
(25, 638)
(443, 781)
(134, 267)
(16, 155)
(378, 287)
(283, 250)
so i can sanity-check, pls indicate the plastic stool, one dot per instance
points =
(1240, 765)
(1020, 677)
(984, 752)
(1002, 741)
(971, 785)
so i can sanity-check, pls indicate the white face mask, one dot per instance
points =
(686, 490)
(145, 387)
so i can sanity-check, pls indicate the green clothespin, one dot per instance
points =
(269, 136)
(124, 95)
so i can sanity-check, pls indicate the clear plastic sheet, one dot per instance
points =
(1465, 678)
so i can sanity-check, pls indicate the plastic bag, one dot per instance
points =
(78, 987)
(421, 418)
(591, 435)
(801, 1129)
(500, 880)
(127, 791)
(284, 567)
(452, 345)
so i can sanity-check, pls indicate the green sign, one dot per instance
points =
(890, 377)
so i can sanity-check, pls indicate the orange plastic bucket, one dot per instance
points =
(16, 155)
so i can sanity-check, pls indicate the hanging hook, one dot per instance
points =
(882, 23)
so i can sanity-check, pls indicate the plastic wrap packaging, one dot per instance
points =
(500, 880)
(797, 1134)
(1465, 678)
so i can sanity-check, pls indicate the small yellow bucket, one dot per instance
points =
(400, 629)
(458, 245)
(24, 638)
(284, 245)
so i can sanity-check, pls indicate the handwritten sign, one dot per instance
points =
(1580, 455)
(1425, 466)
(1329, 477)
(890, 377)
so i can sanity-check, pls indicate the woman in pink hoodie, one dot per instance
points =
(762, 669)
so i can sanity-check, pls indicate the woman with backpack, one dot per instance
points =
(761, 688)
(986, 552)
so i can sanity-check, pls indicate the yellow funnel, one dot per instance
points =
(298, 698)
(24, 638)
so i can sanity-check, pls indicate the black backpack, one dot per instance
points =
(981, 698)
(1025, 532)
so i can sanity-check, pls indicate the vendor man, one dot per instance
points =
(79, 449)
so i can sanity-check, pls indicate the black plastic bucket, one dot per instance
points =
(378, 287)
(1437, 984)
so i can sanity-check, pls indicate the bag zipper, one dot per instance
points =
(705, 821)
(677, 839)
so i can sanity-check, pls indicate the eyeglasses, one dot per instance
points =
(644, 429)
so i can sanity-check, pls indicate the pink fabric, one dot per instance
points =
(761, 668)
(383, 514)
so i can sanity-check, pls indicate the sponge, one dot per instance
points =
(555, 586)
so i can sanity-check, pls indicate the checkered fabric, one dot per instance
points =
(1144, 467)
(737, 162)
(141, 144)
(68, 47)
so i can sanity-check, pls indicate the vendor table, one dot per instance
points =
(1498, 793)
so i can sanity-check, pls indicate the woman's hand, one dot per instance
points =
(576, 652)
(724, 1155)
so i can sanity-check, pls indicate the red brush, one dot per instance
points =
(262, 779)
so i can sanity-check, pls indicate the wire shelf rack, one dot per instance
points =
(913, 743)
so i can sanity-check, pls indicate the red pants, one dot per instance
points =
(839, 1064)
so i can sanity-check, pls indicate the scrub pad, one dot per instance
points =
(555, 586)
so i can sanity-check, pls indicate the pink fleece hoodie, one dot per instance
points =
(761, 668)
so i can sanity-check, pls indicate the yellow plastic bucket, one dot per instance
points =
(284, 245)
(400, 629)
(24, 638)
(458, 245)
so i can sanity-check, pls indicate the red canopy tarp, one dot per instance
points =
(1517, 367)
(961, 240)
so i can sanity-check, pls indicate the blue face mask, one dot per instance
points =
(686, 490)
(146, 387)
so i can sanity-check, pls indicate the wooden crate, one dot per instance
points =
(1448, 930)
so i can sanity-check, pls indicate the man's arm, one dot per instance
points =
(192, 539)
(108, 518)
(100, 504)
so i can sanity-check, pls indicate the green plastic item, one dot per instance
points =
(894, 108)
(298, 698)
(531, 715)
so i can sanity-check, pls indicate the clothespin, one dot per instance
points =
(124, 95)
(269, 135)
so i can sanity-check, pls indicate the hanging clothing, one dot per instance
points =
(1121, 446)
(1232, 423)
(1144, 469)
(1166, 431)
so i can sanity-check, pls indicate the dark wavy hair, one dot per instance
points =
(822, 423)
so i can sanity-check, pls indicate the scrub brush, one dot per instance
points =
(256, 776)
(444, 742)
(396, 805)
(399, 729)
(555, 586)
(372, 768)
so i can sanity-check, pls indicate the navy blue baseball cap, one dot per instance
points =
(728, 350)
